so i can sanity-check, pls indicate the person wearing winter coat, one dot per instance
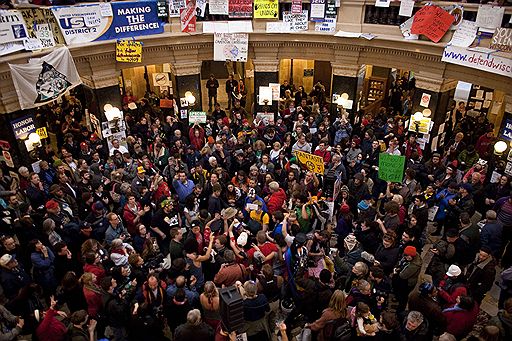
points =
(424, 300)
(491, 234)
(10, 325)
(405, 275)
(387, 253)
(503, 320)
(277, 197)
(481, 274)
(415, 328)
(461, 317)
(451, 287)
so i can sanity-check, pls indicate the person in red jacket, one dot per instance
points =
(93, 265)
(196, 136)
(51, 329)
(461, 317)
(276, 199)
(323, 152)
(451, 287)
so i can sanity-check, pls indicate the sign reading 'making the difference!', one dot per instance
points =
(106, 21)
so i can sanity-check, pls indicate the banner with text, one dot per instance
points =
(12, 27)
(317, 10)
(188, 17)
(391, 167)
(44, 79)
(42, 25)
(266, 9)
(22, 127)
(230, 46)
(478, 60)
(240, 8)
(129, 51)
(85, 23)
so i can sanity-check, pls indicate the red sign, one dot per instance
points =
(296, 6)
(240, 8)
(166, 103)
(432, 22)
(188, 17)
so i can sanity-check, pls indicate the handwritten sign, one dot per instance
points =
(266, 9)
(240, 8)
(391, 167)
(489, 16)
(432, 22)
(502, 39)
(312, 162)
(129, 51)
(220, 7)
(465, 34)
(230, 46)
(406, 7)
(196, 116)
(298, 22)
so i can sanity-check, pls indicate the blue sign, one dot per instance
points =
(507, 130)
(133, 19)
(23, 126)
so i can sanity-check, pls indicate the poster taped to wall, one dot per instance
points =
(230, 46)
(12, 27)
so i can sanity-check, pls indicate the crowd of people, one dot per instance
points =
(138, 242)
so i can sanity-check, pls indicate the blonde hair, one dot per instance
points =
(250, 288)
(338, 302)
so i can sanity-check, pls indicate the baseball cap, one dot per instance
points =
(242, 239)
(453, 271)
(141, 170)
(5, 259)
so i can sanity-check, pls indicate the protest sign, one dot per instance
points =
(230, 46)
(422, 127)
(405, 27)
(220, 7)
(502, 39)
(129, 51)
(507, 130)
(162, 9)
(296, 7)
(12, 27)
(166, 103)
(489, 16)
(188, 17)
(465, 34)
(477, 60)
(196, 116)
(11, 47)
(43, 134)
(391, 167)
(42, 25)
(44, 79)
(425, 100)
(331, 11)
(458, 14)
(175, 6)
(298, 22)
(85, 23)
(406, 8)
(317, 10)
(327, 26)
(312, 162)
(161, 79)
(240, 8)
(22, 127)
(382, 3)
(265, 116)
(277, 27)
(266, 9)
(432, 21)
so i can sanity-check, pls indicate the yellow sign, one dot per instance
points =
(129, 51)
(423, 126)
(42, 132)
(266, 9)
(312, 162)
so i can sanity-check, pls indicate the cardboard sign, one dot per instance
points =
(166, 103)
(433, 22)
(188, 17)
(423, 125)
(312, 162)
(129, 51)
(196, 116)
(266, 9)
(391, 167)
(502, 39)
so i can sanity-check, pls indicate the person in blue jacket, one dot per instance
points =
(443, 196)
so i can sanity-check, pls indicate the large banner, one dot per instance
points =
(240, 8)
(86, 23)
(478, 60)
(230, 46)
(42, 25)
(12, 27)
(23, 126)
(44, 79)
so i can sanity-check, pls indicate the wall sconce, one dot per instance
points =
(191, 99)
(500, 147)
(34, 139)
(112, 113)
(427, 112)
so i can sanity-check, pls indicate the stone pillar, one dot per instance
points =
(265, 72)
(188, 78)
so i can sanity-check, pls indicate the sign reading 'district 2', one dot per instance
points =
(85, 23)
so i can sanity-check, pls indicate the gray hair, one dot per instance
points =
(361, 267)
(415, 316)
(491, 215)
(194, 317)
(274, 185)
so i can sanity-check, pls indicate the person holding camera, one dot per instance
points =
(116, 310)
(116, 229)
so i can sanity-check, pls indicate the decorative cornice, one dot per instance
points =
(344, 69)
(186, 69)
(266, 65)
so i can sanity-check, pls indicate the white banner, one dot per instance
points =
(12, 27)
(478, 60)
(44, 79)
(230, 46)
(298, 22)
(81, 24)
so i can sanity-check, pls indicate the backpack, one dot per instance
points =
(338, 330)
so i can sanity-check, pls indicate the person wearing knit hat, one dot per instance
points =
(344, 209)
(405, 275)
(51, 205)
(410, 251)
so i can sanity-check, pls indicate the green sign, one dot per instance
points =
(391, 167)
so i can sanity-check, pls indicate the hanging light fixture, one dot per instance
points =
(500, 147)
(427, 112)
